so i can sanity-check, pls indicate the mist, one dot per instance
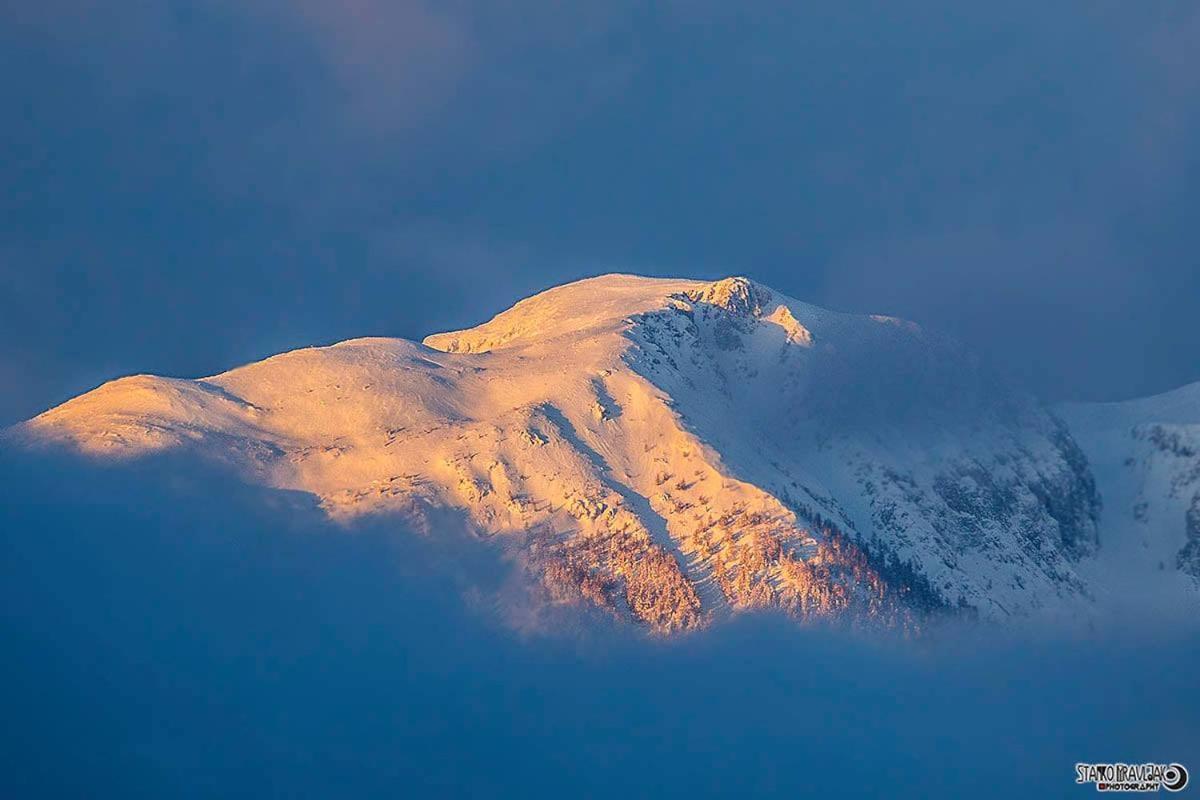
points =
(171, 632)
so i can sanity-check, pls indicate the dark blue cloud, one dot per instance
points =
(187, 637)
(190, 187)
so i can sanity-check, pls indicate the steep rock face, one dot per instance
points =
(888, 435)
(1188, 559)
(666, 451)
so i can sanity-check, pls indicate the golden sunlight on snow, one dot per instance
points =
(659, 449)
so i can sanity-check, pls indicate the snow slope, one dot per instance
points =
(669, 451)
(1145, 454)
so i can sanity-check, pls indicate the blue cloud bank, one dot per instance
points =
(169, 633)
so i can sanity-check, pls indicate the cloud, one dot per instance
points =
(198, 185)
(169, 632)
(1038, 300)
(394, 64)
(1167, 114)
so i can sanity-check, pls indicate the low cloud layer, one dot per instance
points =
(185, 636)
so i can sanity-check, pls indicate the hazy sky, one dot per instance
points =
(190, 186)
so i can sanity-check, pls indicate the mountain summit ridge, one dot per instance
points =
(667, 451)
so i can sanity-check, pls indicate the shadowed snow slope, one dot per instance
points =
(668, 451)
(1146, 457)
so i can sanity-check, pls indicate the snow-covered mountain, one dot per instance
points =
(672, 451)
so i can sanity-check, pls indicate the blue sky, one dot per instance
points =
(188, 186)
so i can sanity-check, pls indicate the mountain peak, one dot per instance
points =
(584, 308)
(670, 451)
(735, 294)
(592, 307)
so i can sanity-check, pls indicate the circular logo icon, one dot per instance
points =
(1174, 778)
